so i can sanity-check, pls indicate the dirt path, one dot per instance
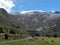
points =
(15, 40)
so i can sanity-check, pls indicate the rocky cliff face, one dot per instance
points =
(46, 22)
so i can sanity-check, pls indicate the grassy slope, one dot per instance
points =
(46, 41)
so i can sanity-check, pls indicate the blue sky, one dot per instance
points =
(46, 5)
(25, 5)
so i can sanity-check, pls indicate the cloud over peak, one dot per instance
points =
(7, 4)
(23, 12)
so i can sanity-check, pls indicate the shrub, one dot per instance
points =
(52, 41)
(6, 36)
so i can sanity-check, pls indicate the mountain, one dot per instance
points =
(32, 20)
(6, 18)
(36, 21)
(42, 22)
(9, 26)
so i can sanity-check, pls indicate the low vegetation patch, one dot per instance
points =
(39, 41)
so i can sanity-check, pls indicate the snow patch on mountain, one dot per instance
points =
(31, 11)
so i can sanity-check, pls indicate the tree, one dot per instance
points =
(1, 31)
(6, 36)
(12, 31)
(55, 35)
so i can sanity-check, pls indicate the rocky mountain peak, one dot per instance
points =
(3, 11)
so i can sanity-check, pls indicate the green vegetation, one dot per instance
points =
(39, 41)
(13, 27)
(9, 32)
(9, 27)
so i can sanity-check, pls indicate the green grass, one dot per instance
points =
(39, 41)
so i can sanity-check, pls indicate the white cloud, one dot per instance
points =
(7, 4)
(52, 11)
(23, 12)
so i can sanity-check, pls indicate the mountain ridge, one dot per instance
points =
(34, 21)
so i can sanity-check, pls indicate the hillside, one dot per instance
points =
(9, 28)
(44, 23)
(35, 22)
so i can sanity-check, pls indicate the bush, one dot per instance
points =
(55, 35)
(12, 31)
(6, 36)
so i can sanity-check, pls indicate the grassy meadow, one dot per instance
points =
(35, 41)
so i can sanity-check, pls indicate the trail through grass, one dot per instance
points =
(39, 41)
